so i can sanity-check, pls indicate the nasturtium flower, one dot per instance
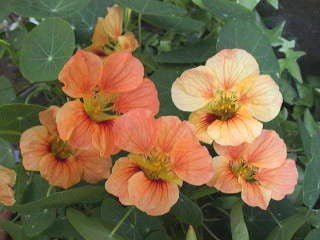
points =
(108, 35)
(7, 181)
(104, 91)
(163, 153)
(259, 170)
(228, 98)
(62, 164)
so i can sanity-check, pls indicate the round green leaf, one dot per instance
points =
(6, 154)
(313, 235)
(5, 8)
(47, 8)
(7, 92)
(46, 50)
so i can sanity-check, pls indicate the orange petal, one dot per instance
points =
(145, 96)
(255, 195)
(74, 125)
(117, 183)
(34, 144)
(239, 129)
(113, 22)
(95, 167)
(136, 131)
(281, 180)
(231, 66)
(6, 195)
(100, 36)
(155, 197)
(223, 179)
(202, 120)
(81, 74)
(122, 72)
(60, 173)
(103, 138)
(230, 152)
(193, 165)
(48, 119)
(193, 89)
(267, 151)
(261, 96)
(128, 42)
(7, 176)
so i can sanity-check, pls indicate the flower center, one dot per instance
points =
(241, 169)
(61, 150)
(224, 105)
(156, 166)
(100, 108)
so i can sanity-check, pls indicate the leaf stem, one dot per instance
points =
(139, 26)
(210, 232)
(49, 190)
(275, 218)
(121, 221)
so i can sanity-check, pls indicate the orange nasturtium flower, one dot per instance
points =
(259, 170)
(104, 90)
(58, 161)
(228, 98)
(108, 36)
(7, 181)
(163, 153)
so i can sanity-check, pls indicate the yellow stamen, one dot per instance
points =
(243, 170)
(61, 150)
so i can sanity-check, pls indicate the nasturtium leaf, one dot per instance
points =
(5, 8)
(250, 4)
(245, 34)
(227, 9)
(313, 235)
(46, 49)
(14, 230)
(225, 202)
(311, 184)
(17, 36)
(62, 229)
(90, 228)
(305, 139)
(238, 226)
(22, 183)
(310, 124)
(289, 93)
(7, 92)
(175, 23)
(48, 8)
(201, 192)
(152, 7)
(193, 53)
(305, 93)
(191, 234)
(274, 3)
(289, 226)
(16, 118)
(64, 198)
(7, 157)
(187, 211)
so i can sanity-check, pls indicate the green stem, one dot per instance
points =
(121, 221)
(139, 26)
(210, 232)
(49, 190)
(275, 218)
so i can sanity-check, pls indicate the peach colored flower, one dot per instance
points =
(7, 181)
(227, 97)
(104, 91)
(259, 170)
(58, 161)
(108, 36)
(163, 153)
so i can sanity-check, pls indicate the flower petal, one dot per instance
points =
(154, 197)
(7, 176)
(230, 152)
(34, 144)
(81, 74)
(255, 195)
(136, 131)
(193, 89)
(202, 120)
(266, 151)
(281, 180)
(128, 42)
(122, 72)
(261, 96)
(239, 129)
(48, 119)
(113, 22)
(231, 66)
(117, 183)
(95, 167)
(60, 173)
(145, 96)
(99, 37)
(223, 178)
(6, 195)
(193, 165)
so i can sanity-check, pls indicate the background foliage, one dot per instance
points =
(39, 36)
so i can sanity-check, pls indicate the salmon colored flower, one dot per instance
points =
(163, 153)
(58, 161)
(228, 98)
(104, 91)
(259, 170)
(108, 36)
(7, 181)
